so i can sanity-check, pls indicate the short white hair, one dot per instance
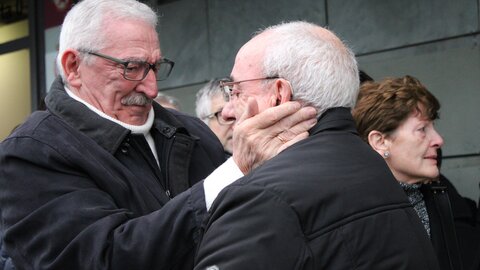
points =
(322, 70)
(83, 26)
(203, 102)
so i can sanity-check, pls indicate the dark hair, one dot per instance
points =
(384, 105)
(364, 77)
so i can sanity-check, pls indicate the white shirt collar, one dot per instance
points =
(142, 129)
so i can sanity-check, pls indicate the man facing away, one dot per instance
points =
(209, 104)
(327, 202)
(100, 180)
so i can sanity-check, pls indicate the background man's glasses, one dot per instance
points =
(138, 70)
(220, 120)
(227, 86)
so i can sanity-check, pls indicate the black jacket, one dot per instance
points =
(454, 228)
(80, 192)
(327, 202)
(5, 261)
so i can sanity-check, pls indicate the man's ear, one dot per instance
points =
(283, 91)
(70, 63)
(379, 142)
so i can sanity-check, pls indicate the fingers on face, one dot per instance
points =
(271, 116)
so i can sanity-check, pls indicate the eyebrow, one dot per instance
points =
(137, 59)
(132, 59)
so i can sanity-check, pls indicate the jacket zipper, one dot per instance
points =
(167, 161)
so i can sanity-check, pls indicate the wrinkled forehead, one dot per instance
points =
(130, 30)
(249, 59)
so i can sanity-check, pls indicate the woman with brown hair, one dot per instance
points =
(396, 117)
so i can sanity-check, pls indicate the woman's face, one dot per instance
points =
(413, 150)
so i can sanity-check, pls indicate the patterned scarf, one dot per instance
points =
(416, 199)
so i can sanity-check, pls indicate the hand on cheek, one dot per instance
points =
(258, 137)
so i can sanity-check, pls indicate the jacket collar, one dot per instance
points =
(335, 119)
(106, 133)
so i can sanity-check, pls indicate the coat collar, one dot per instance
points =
(335, 119)
(106, 133)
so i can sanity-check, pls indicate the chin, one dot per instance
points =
(431, 175)
(136, 120)
(435, 172)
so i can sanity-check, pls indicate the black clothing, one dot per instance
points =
(327, 202)
(455, 231)
(5, 261)
(81, 192)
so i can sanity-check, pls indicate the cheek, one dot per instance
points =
(404, 152)
(239, 108)
(408, 154)
(120, 89)
(213, 126)
(224, 130)
(265, 102)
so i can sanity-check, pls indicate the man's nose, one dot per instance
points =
(149, 85)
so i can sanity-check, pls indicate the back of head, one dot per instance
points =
(203, 102)
(384, 105)
(323, 72)
(83, 27)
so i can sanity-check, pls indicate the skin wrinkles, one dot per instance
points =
(102, 83)
(413, 150)
(248, 64)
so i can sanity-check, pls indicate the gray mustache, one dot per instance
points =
(137, 99)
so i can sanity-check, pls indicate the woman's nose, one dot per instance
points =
(437, 140)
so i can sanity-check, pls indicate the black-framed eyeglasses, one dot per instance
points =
(138, 70)
(227, 86)
(220, 119)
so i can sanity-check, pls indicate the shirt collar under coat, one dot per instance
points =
(335, 119)
(104, 132)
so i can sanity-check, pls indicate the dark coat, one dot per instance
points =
(454, 227)
(5, 261)
(327, 202)
(80, 192)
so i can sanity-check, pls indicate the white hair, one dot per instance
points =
(83, 27)
(203, 102)
(323, 71)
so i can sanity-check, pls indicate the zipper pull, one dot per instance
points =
(168, 194)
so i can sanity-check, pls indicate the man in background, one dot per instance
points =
(208, 107)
